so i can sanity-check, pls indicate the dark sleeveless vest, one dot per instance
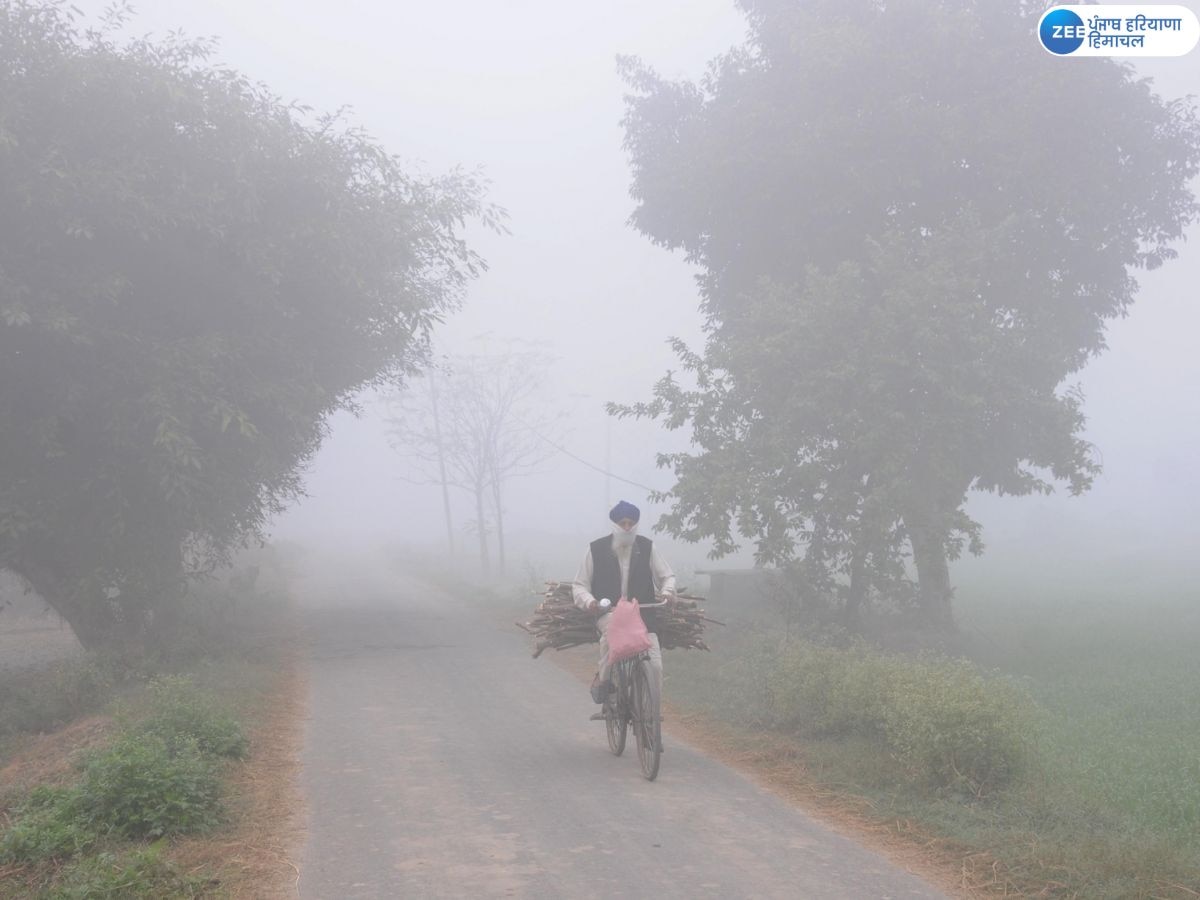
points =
(606, 574)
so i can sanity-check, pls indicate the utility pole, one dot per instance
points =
(608, 462)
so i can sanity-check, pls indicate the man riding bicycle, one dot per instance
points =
(622, 564)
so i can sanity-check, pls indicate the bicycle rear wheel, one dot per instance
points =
(647, 719)
(616, 722)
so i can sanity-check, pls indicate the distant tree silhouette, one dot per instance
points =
(473, 423)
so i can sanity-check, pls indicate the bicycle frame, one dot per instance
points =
(636, 702)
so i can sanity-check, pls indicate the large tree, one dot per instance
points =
(193, 276)
(913, 225)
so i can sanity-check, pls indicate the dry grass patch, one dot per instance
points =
(50, 758)
(253, 857)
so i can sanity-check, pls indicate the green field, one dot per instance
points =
(1117, 669)
(1109, 806)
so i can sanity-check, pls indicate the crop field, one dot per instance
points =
(1117, 670)
(1107, 803)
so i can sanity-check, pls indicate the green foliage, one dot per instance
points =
(82, 684)
(947, 724)
(194, 275)
(181, 714)
(159, 777)
(137, 875)
(1112, 659)
(143, 787)
(898, 277)
(826, 691)
(950, 725)
(1106, 800)
(47, 697)
(48, 826)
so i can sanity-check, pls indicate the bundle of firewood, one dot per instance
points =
(559, 623)
(682, 623)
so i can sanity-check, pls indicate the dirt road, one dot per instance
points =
(441, 761)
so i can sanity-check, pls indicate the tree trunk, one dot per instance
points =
(499, 524)
(852, 614)
(933, 573)
(481, 523)
(441, 455)
(92, 619)
(856, 596)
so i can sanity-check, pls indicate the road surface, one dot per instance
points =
(440, 760)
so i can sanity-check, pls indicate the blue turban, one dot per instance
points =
(624, 510)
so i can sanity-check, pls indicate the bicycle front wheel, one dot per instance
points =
(616, 721)
(618, 727)
(647, 719)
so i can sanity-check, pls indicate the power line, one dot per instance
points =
(561, 449)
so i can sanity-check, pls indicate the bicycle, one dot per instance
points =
(635, 702)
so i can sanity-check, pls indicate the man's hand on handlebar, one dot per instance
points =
(599, 607)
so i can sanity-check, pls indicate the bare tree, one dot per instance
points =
(474, 422)
(414, 430)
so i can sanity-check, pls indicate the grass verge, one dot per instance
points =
(184, 785)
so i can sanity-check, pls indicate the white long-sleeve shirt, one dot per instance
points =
(581, 589)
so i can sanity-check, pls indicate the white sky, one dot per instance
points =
(529, 90)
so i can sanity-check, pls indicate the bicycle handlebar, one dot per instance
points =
(641, 606)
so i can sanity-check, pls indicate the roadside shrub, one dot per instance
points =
(141, 787)
(830, 692)
(46, 697)
(82, 684)
(182, 713)
(48, 826)
(948, 724)
(953, 727)
(741, 687)
(160, 777)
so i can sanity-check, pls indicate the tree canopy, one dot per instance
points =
(193, 275)
(913, 225)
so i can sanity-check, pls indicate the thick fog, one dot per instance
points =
(530, 92)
